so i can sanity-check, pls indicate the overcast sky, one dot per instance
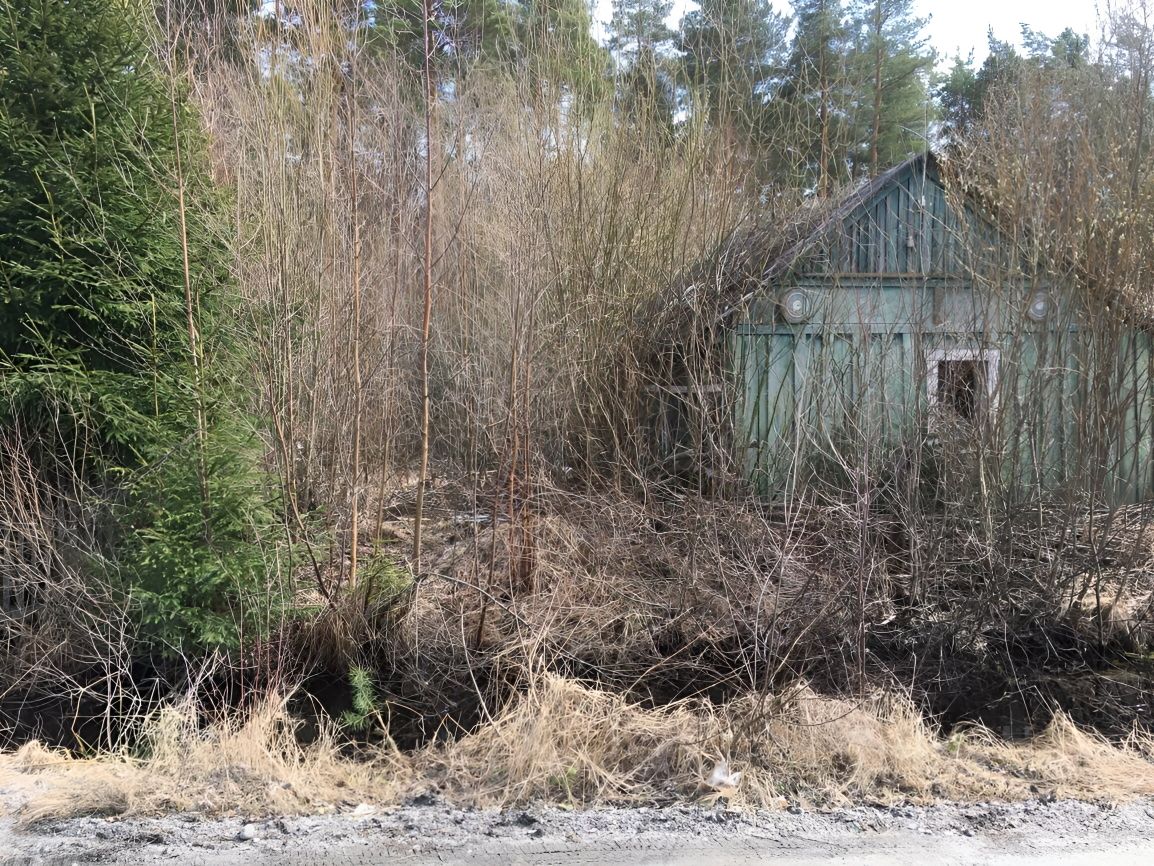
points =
(961, 25)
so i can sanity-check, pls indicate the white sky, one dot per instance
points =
(961, 25)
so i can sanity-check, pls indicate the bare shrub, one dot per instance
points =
(553, 233)
(66, 636)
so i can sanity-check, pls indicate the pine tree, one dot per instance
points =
(963, 93)
(558, 40)
(893, 62)
(1068, 50)
(638, 27)
(640, 38)
(647, 94)
(965, 90)
(733, 52)
(464, 33)
(816, 105)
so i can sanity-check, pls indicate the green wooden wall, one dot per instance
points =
(1062, 417)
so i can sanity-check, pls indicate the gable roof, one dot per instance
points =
(963, 235)
(739, 269)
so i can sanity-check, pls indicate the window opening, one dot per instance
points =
(962, 382)
(958, 384)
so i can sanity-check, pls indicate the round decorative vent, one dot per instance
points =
(796, 305)
(1040, 306)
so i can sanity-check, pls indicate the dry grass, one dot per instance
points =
(254, 766)
(561, 741)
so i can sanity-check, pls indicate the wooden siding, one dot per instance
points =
(807, 394)
(910, 227)
(906, 273)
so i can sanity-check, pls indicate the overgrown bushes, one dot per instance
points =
(204, 389)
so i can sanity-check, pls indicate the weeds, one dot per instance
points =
(560, 740)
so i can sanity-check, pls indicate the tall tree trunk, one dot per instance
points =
(358, 383)
(824, 183)
(879, 60)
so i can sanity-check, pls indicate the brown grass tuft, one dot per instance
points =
(250, 766)
(561, 741)
(1067, 761)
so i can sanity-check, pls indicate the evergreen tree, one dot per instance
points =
(641, 39)
(1071, 49)
(1068, 50)
(962, 95)
(816, 105)
(93, 332)
(892, 64)
(106, 279)
(462, 33)
(559, 43)
(964, 92)
(647, 94)
(638, 27)
(733, 52)
(481, 30)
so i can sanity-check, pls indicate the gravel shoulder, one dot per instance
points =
(427, 831)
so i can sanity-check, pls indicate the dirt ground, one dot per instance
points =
(426, 832)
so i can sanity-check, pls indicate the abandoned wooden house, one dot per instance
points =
(906, 321)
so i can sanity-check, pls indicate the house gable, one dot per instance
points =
(904, 224)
